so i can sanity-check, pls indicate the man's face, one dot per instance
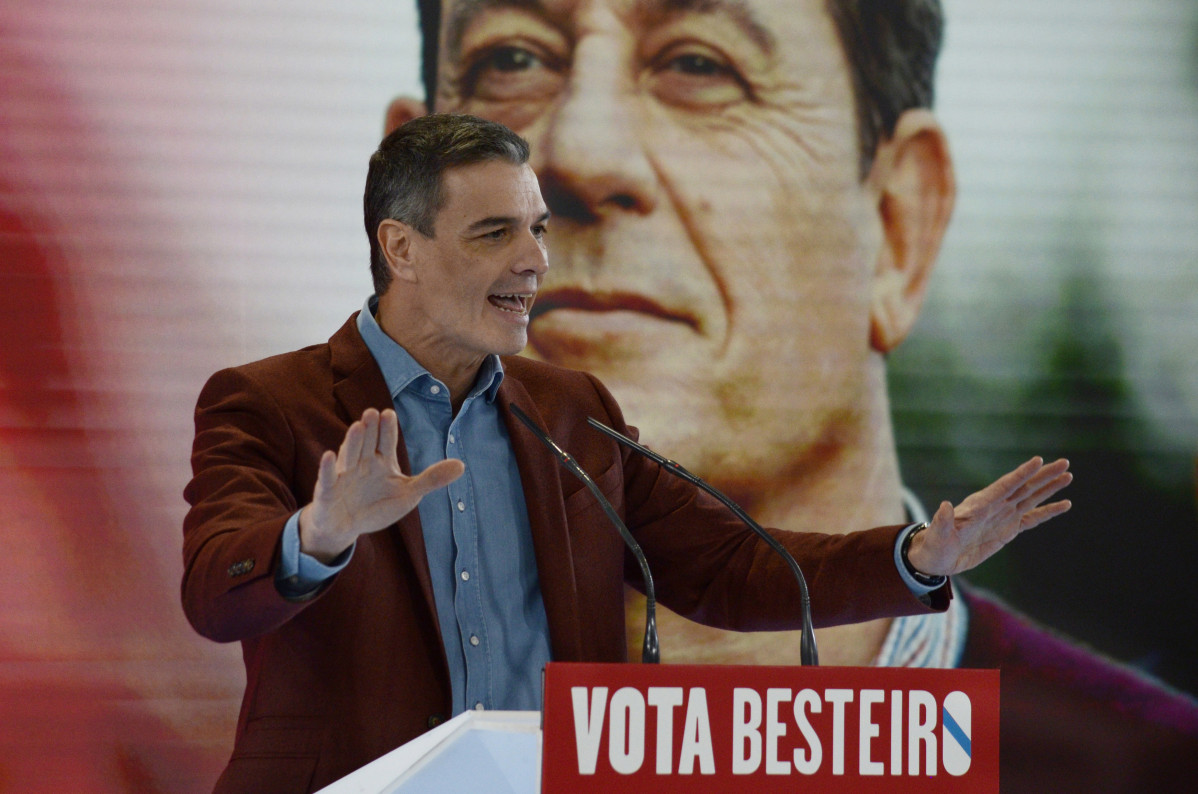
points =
(713, 244)
(478, 275)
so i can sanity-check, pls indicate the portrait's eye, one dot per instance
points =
(697, 77)
(509, 73)
(512, 59)
(699, 65)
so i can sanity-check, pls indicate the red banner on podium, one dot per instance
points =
(701, 728)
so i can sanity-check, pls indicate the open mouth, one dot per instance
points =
(609, 301)
(513, 302)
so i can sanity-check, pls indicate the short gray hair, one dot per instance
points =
(404, 181)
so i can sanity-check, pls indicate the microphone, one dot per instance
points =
(808, 654)
(650, 651)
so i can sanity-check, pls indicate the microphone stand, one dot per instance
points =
(808, 654)
(650, 651)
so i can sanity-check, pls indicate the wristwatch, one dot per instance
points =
(919, 576)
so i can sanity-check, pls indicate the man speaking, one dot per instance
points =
(373, 601)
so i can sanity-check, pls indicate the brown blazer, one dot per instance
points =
(336, 680)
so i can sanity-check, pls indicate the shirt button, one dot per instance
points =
(434, 389)
(465, 576)
(461, 506)
(479, 706)
(451, 438)
(474, 639)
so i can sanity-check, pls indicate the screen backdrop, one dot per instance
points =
(180, 190)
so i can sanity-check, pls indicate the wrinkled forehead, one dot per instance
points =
(750, 15)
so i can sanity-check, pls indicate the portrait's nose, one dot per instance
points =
(593, 160)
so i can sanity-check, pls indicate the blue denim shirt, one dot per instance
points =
(476, 533)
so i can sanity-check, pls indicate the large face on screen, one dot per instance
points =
(713, 243)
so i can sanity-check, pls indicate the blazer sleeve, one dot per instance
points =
(242, 492)
(708, 566)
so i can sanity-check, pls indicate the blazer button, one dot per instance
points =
(435, 720)
(241, 568)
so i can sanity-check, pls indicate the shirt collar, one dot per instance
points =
(400, 370)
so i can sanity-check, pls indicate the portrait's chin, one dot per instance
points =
(655, 367)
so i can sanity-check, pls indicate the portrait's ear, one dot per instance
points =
(912, 176)
(402, 110)
(396, 240)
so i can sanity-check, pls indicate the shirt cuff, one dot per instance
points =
(301, 574)
(917, 587)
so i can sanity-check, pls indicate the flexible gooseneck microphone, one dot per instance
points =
(650, 651)
(808, 654)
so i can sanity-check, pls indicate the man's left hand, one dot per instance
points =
(960, 538)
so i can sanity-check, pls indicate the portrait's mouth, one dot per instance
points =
(593, 330)
(581, 300)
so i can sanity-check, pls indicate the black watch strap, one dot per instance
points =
(919, 576)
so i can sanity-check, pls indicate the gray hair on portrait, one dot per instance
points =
(891, 47)
(405, 179)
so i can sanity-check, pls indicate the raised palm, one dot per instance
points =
(960, 538)
(361, 489)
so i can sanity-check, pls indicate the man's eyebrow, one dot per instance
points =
(499, 221)
(739, 11)
(465, 11)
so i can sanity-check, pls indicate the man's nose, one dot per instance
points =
(533, 256)
(593, 159)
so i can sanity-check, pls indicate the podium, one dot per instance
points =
(711, 728)
(493, 751)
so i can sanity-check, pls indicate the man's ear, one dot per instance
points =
(912, 176)
(402, 110)
(396, 241)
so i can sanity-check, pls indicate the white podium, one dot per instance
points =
(492, 751)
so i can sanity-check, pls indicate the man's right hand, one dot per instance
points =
(360, 488)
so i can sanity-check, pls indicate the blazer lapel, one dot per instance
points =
(358, 385)
(540, 476)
